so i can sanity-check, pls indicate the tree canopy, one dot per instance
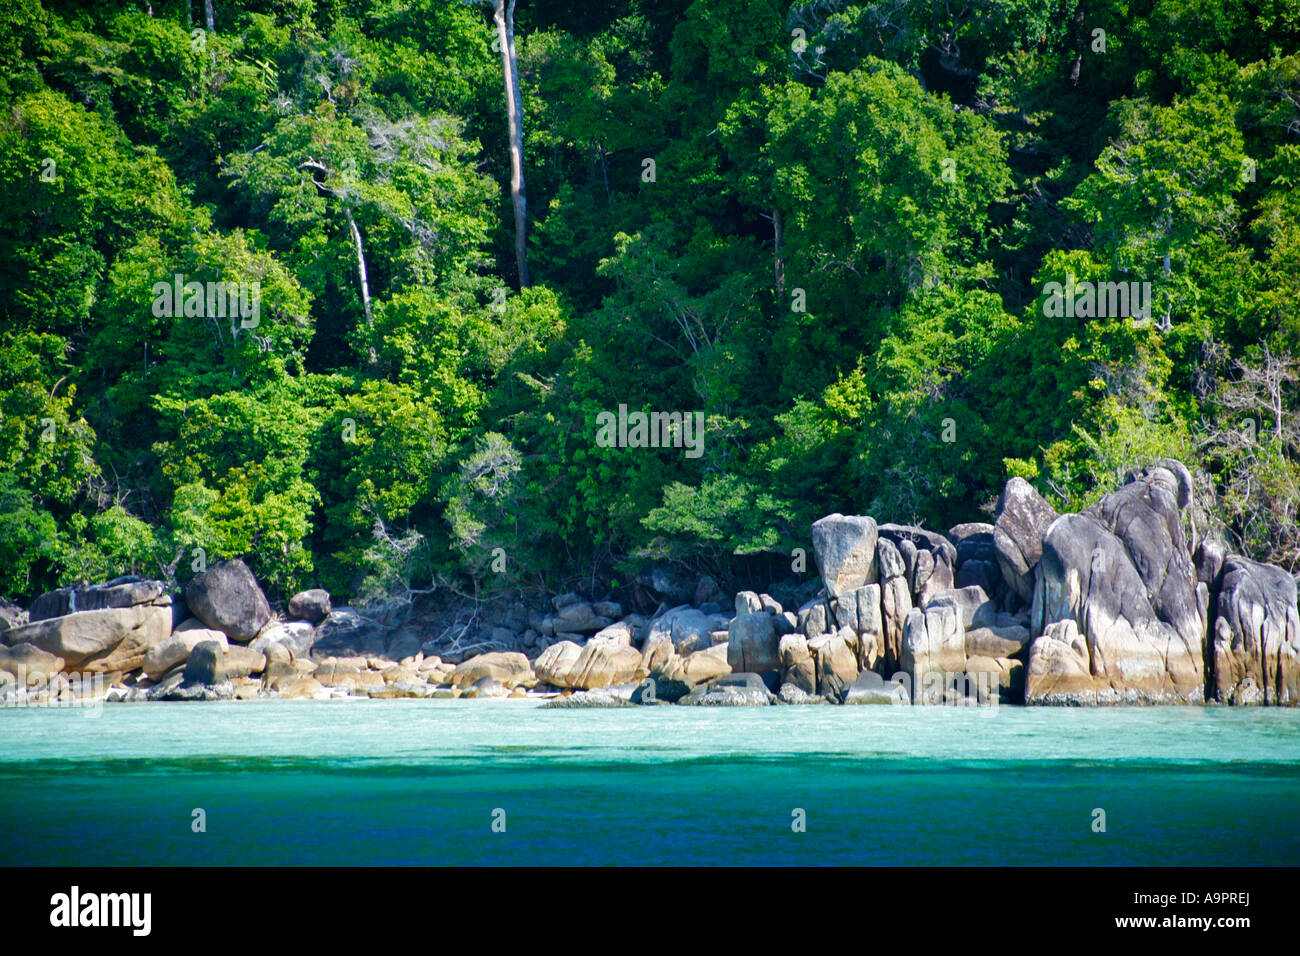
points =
(829, 227)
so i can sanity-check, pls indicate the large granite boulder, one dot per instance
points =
(844, 610)
(895, 602)
(119, 593)
(921, 539)
(972, 603)
(579, 618)
(995, 680)
(934, 648)
(555, 665)
(212, 664)
(167, 654)
(982, 574)
(1208, 558)
(595, 664)
(974, 541)
(675, 675)
(657, 651)
(28, 662)
(1060, 671)
(227, 598)
(508, 668)
(845, 550)
(1023, 517)
(929, 560)
(204, 663)
(798, 666)
(131, 652)
(620, 632)
(996, 641)
(870, 626)
(752, 644)
(238, 661)
(1147, 515)
(312, 605)
(686, 628)
(108, 639)
(837, 662)
(1256, 639)
(700, 667)
(297, 637)
(1087, 575)
(815, 618)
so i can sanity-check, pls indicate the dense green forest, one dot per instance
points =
(831, 227)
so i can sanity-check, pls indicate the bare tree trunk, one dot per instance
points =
(211, 17)
(504, 15)
(365, 282)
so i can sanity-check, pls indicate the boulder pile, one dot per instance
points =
(1122, 603)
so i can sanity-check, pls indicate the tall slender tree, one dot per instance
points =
(503, 14)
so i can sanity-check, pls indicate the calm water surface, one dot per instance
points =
(422, 782)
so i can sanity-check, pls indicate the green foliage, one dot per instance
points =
(841, 263)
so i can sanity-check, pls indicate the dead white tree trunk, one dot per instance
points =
(361, 275)
(504, 16)
(209, 15)
(357, 245)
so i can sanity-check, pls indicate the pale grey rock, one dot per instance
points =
(752, 643)
(1023, 517)
(845, 549)
(1256, 640)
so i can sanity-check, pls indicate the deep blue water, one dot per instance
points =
(419, 782)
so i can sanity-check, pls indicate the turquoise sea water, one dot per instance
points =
(421, 782)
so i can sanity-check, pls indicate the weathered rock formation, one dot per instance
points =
(1255, 655)
(227, 598)
(1023, 517)
(110, 639)
(1122, 572)
(1123, 603)
(510, 669)
(596, 664)
(312, 605)
(752, 643)
(845, 549)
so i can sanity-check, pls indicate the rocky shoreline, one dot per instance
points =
(1124, 603)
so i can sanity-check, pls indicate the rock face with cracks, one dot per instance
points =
(1255, 655)
(845, 548)
(1122, 573)
(1023, 519)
